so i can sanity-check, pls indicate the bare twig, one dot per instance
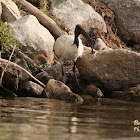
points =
(16, 65)
(26, 58)
(8, 90)
(7, 65)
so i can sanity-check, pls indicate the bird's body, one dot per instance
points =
(70, 47)
(65, 49)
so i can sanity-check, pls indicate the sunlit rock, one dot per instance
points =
(30, 89)
(93, 91)
(127, 20)
(10, 11)
(58, 90)
(111, 69)
(33, 36)
(72, 12)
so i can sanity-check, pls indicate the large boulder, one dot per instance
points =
(33, 35)
(127, 20)
(10, 11)
(111, 69)
(72, 12)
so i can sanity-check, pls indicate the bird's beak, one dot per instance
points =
(83, 32)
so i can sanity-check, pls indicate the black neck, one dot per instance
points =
(79, 30)
(77, 33)
(76, 41)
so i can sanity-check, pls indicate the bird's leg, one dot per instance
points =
(74, 67)
(63, 73)
(62, 65)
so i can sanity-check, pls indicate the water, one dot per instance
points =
(45, 119)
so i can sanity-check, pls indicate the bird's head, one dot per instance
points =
(79, 30)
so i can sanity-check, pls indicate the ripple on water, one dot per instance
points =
(45, 119)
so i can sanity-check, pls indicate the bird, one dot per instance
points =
(70, 47)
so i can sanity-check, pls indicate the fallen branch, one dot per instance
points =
(28, 59)
(44, 19)
(16, 65)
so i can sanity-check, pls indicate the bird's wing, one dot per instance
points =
(63, 43)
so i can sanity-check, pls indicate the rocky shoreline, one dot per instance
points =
(113, 70)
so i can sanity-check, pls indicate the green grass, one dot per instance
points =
(7, 39)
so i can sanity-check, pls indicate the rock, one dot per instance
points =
(125, 96)
(22, 75)
(44, 77)
(132, 94)
(136, 48)
(100, 45)
(55, 71)
(127, 15)
(93, 91)
(73, 12)
(10, 78)
(58, 90)
(43, 57)
(135, 90)
(33, 35)
(13, 75)
(10, 11)
(110, 70)
(87, 98)
(30, 89)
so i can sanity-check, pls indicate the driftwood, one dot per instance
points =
(17, 66)
(43, 19)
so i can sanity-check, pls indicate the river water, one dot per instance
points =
(48, 119)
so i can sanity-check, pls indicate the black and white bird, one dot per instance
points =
(70, 47)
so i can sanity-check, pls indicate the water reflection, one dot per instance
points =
(44, 119)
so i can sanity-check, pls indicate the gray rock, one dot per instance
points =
(111, 69)
(126, 95)
(22, 75)
(72, 12)
(127, 15)
(33, 35)
(132, 94)
(135, 90)
(93, 91)
(58, 90)
(10, 78)
(30, 89)
(10, 11)
(43, 57)
(56, 72)
(44, 77)
(53, 72)
(100, 45)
